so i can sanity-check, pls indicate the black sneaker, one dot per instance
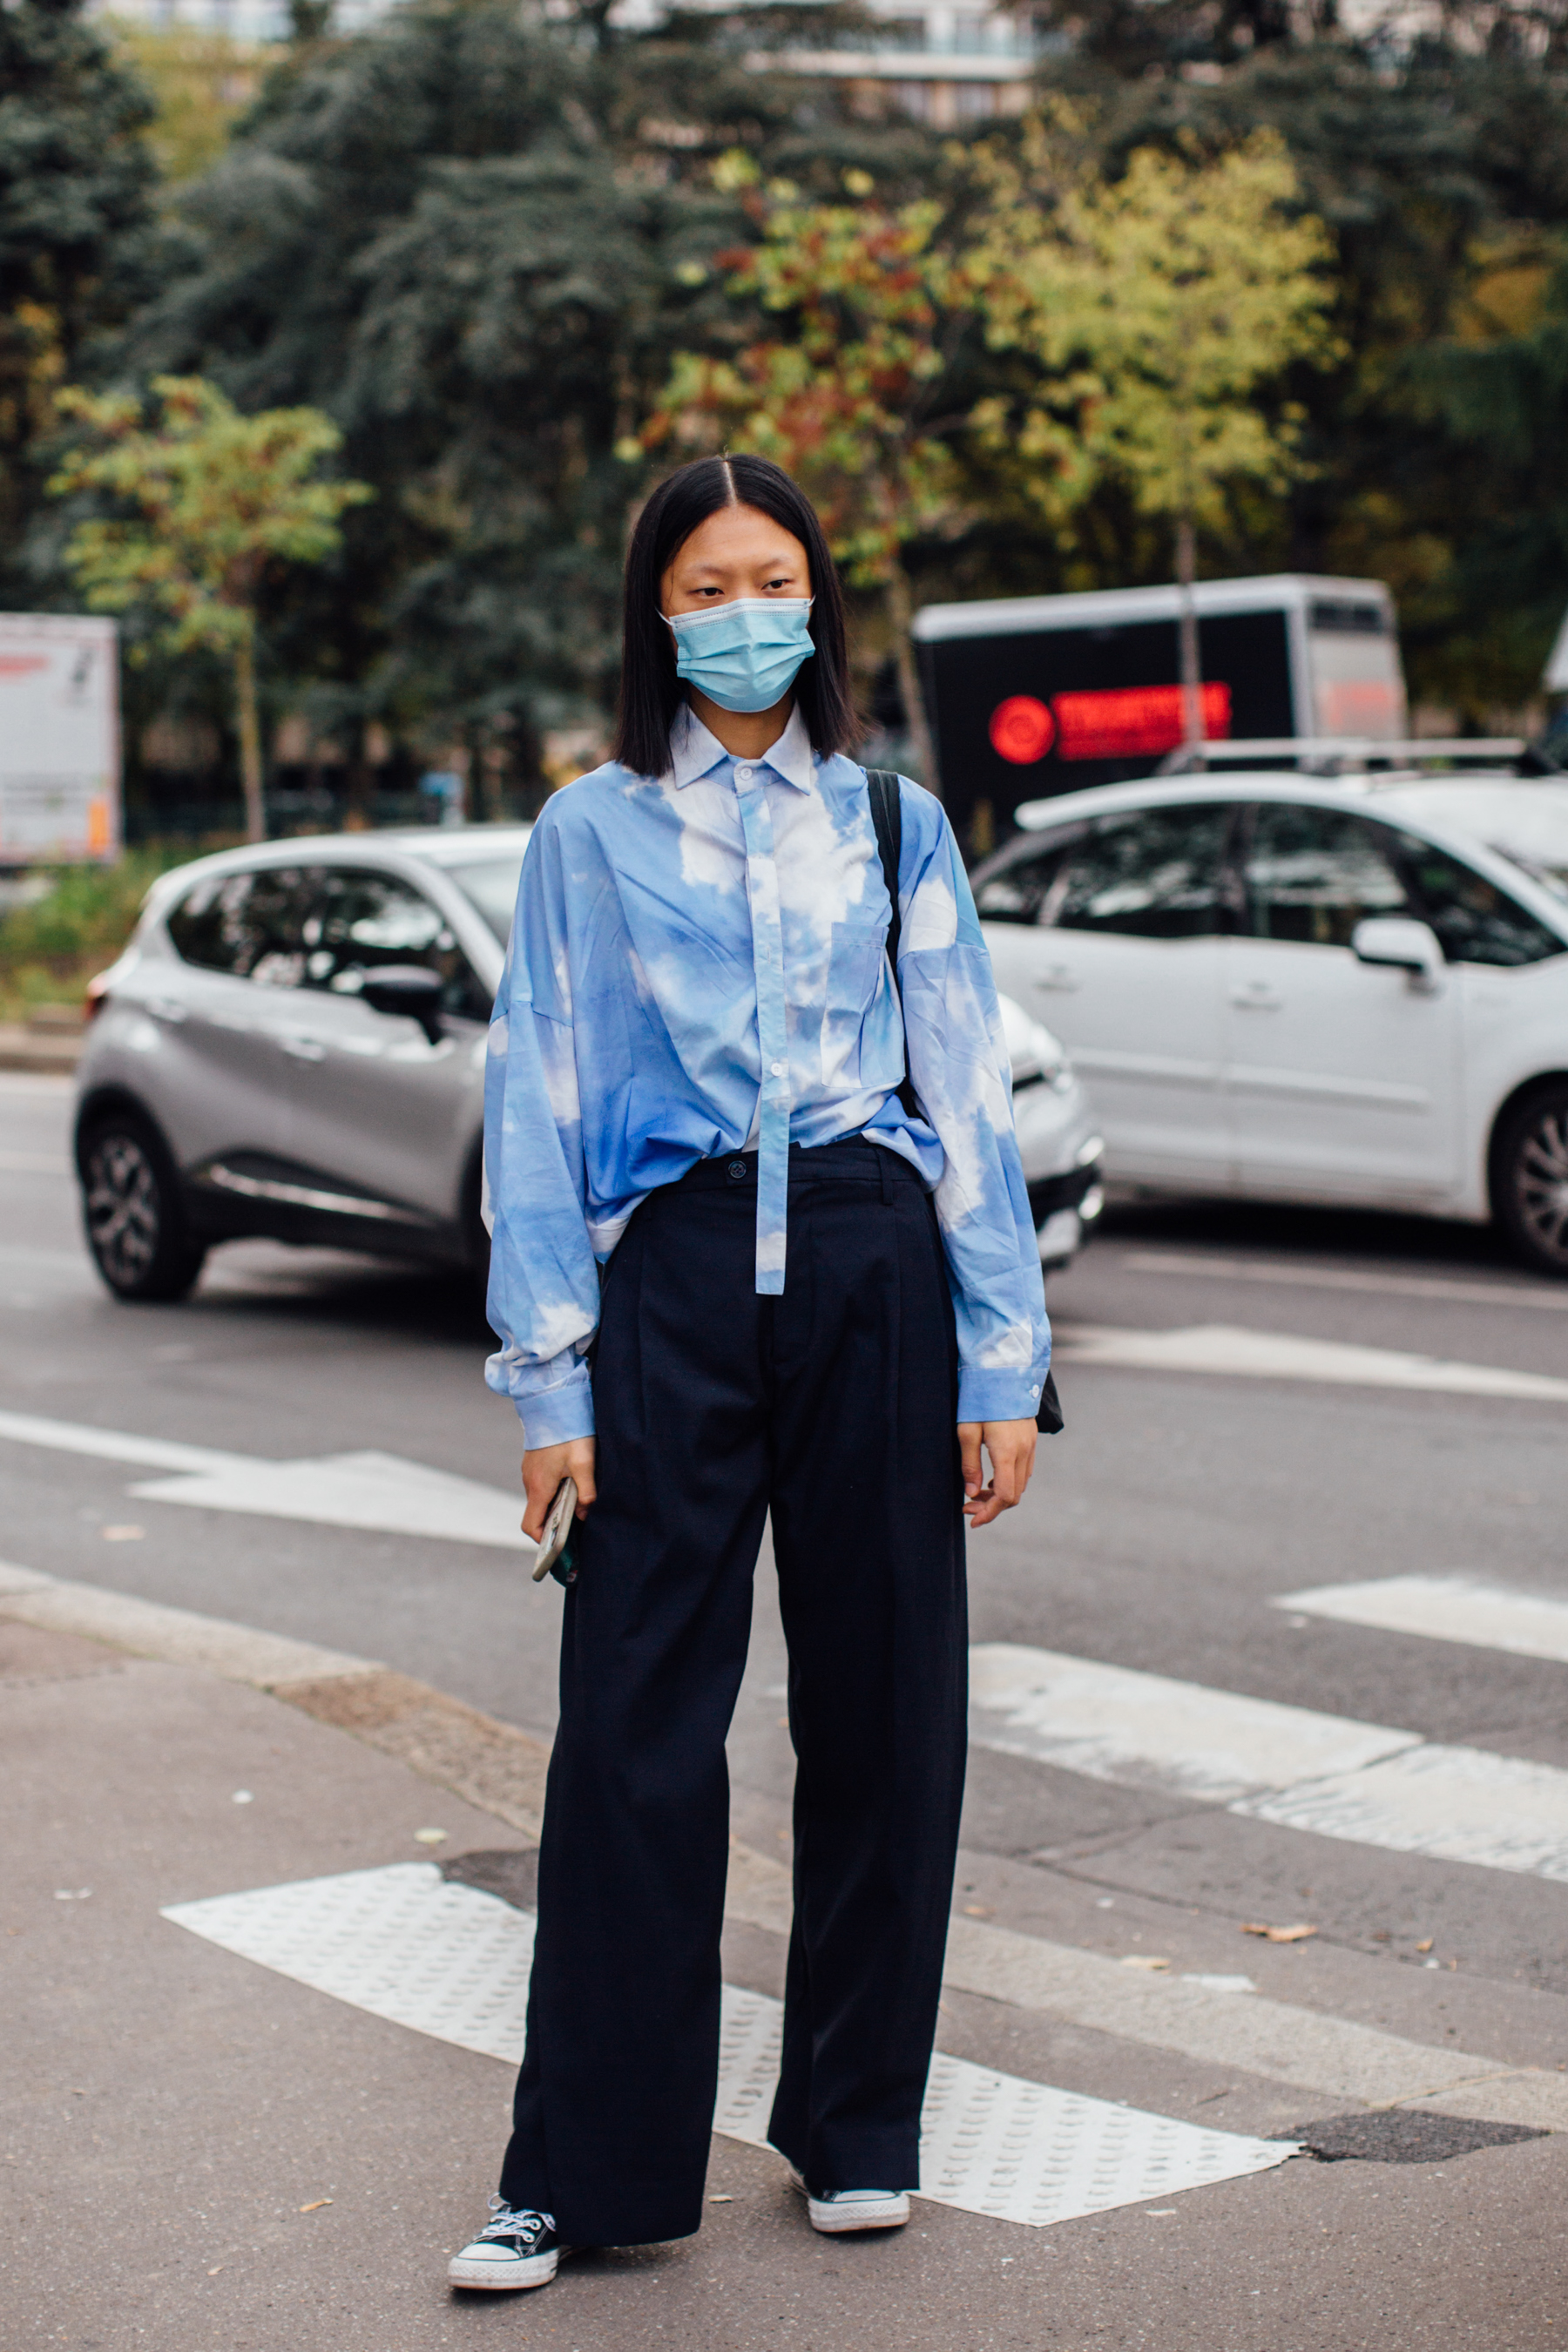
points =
(514, 2249)
(838, 2211)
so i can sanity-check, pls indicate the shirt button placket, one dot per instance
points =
(767, 964)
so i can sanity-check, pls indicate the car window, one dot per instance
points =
(1477, 922)
(1015, 886)
(359, 919)
(491, 884)
(1154, 874)
(248, 924)
(1313, 874)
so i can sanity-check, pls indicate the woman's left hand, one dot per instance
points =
(1011, 1447)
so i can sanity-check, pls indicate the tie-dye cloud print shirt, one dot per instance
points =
(697, 967)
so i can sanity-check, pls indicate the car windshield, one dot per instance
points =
(1525, 822)
(491, 884)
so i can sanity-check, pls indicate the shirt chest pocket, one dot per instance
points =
(856, 954)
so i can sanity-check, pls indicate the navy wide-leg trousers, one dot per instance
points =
(834, 1407)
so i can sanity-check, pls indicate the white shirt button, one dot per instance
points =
(743, 775)
(777, 1068)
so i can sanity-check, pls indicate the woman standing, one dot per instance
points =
(817, 1303)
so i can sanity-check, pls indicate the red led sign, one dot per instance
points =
(1022, 729)
(1134, 721)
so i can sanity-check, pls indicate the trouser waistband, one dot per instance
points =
(848, 1160)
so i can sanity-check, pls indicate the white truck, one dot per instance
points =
(1034, 695)
(59, 739)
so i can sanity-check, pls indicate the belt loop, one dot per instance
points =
(885, 1172)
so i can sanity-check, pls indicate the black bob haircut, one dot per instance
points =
(651, 693)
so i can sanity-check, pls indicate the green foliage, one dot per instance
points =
(1157, 307)
(51, 949)
(209, 501)
(214, 498)
(838, 393)
(76, 219)
(474, 238)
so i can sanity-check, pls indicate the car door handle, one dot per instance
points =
(1058, 977)
(303, 1049)
(1256, 997)
(167, 1008)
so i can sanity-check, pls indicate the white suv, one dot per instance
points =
(1334, 989)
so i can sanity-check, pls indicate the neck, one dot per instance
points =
(746, 733)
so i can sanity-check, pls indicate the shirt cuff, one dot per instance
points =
(555, 1416)
(999, 1396)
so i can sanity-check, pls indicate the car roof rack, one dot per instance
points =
(1337, 755)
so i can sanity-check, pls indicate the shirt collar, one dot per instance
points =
(695, 750)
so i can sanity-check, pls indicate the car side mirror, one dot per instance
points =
(410, 990)
(1399, 943)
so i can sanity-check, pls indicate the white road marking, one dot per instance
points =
(379, 1491)
(1444, 1608)
(452, 1962)
(1232, 1351)
(1330, 1278)
(1453, 1804)
(1143, 1730)
(1361, 1782)
(382, 1492)
(1290, 2044)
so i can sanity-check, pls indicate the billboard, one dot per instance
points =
(59, 739)
(1029, 696)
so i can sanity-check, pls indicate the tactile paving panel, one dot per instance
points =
(452, 1961)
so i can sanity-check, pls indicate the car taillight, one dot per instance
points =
(97, 996)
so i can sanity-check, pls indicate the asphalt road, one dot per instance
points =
(1161, 1527)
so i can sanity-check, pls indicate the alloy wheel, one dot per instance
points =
(1541, 1181)
(124, 1209)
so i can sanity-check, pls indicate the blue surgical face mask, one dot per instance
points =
(744, 656)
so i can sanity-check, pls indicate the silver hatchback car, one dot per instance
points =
(293, 1044)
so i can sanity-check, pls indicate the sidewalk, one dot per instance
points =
(203, 2155)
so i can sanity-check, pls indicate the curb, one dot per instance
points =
(22, 1049)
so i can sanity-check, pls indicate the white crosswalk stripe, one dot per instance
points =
(1364, 1782)
(1444, 1608)
(1235, 1351)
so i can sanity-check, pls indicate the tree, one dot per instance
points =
(216, 499)
(1157, 306)
(473, 235)
(841, 394)
(76, 216)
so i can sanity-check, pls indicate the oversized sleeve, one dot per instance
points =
(544, 1298)
(958, 1061)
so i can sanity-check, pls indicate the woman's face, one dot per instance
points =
(737, 552)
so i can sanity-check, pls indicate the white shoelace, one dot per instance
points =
(510, 2221)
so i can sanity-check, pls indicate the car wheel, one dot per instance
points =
(136, 1229)
(1529, 1177)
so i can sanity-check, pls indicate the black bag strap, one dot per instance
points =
(888, 816)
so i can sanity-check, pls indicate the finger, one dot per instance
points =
(969, 1454)
(984, 1507)
(587, 1485)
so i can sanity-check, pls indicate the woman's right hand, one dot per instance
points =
(543, 1468)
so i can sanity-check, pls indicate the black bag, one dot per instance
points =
(888, 816)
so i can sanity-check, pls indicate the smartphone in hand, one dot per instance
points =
(557, 1553)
